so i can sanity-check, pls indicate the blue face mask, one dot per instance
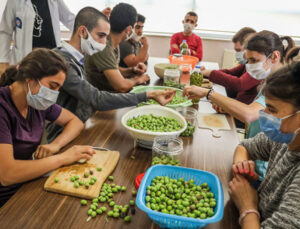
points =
(43, 99)
(270, 125)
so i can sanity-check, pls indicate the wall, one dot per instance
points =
(212, 49)
(159, 47)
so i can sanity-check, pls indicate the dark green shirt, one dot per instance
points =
(95, 65)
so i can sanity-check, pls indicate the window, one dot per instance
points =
(165, 16)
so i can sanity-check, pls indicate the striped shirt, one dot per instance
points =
(279, 192)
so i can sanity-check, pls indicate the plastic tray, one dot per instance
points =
(139, 89)
(173, 221)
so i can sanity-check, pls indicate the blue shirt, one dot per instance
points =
(253, 130)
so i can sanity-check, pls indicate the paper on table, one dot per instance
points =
(214, 122)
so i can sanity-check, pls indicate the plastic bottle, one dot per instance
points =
(196, 79)
(184, 45)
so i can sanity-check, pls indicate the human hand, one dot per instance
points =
(162, 96)
(142, 79)
(140, 68)
(218, 109)
(75, 153)
(144, 41)
(107, 12)
(242, 193)
(46, 150)
(246, 169)
(206, 72)
(194, 92)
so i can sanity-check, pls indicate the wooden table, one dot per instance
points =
(32, 207)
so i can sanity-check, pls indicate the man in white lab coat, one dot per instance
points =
(31, 24)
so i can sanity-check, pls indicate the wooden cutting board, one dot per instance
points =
(214, 122)
(107, 160)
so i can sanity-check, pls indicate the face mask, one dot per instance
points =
(43, 99)
(270, 125)
(257, 70)
(136, 37)
(90, 46)
(187, 27)
(239, 56)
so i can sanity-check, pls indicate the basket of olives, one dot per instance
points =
(178, 197)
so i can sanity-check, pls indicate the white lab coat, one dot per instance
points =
(17, 23)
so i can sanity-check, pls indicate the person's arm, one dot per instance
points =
(237, 71)
(72, 128)
(286, 215)
(120, 84)
(199, 51)
(142, 56)
(16, 171)
(243, 112)
(243, 83)
(174, 44)
(7, 28)
(65, 15)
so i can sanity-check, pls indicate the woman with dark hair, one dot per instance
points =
(292, 55)
(265, 54)
(28, 95)
(276, 203)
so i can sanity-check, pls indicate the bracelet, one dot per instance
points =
(243, 215)
(208, 93)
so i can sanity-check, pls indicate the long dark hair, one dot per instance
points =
(36, 65)
(291, 54)
(284, 84)
(266, 42)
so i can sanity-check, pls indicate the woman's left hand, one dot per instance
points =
(46, 150)
(163, 97)
(242, 193)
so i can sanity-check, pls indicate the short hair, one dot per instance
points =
(140, 18)
(193, 14)
(242, 34)
(89, 17)
(121, 16)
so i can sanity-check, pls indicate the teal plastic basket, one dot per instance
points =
(173, 221)
(139, 89)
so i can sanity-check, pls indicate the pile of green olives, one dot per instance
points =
(154, 123)
(189, 131)
(180, 197)
(165, 160)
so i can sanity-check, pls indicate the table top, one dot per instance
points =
(32, 207)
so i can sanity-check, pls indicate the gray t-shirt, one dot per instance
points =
(95, 65)
(127, 48)
(279, 192)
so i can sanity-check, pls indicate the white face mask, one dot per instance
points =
(90, 46)
(239, 56)
(136, 37)
(257, 70)
(187, 27)
(43, 99)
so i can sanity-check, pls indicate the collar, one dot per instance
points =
(74, 52)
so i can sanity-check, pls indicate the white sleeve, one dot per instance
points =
(7, 28)
(65, 15)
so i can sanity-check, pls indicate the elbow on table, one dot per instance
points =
(5, 180)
